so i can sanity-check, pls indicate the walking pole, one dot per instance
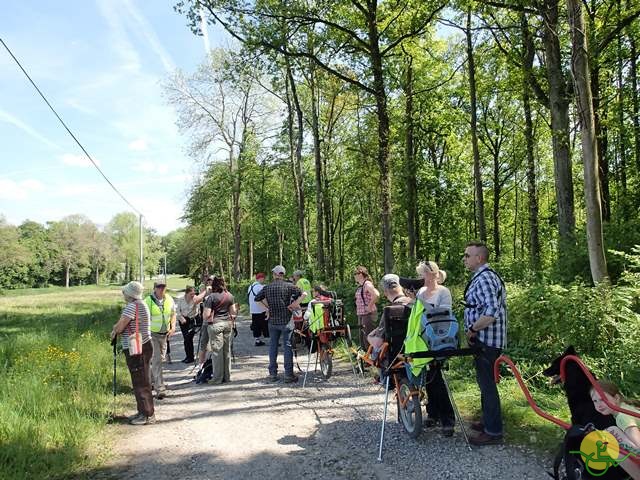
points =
(308, 361)
(195, 364)
(384, 416)
(455, 409)
(114, 342)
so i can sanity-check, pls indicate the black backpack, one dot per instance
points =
(570, 466)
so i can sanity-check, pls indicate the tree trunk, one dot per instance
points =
(67, 274)
(580, 69)
(559, 102)
(235, 205)
(496, 205)
(251, 266)
(97, 275)
(320, 261)
(622, 147)
(410, 164)
(477, 175)
(635, 102)
(296, 142)
(383, 135)
(527, 66)
(601, 141)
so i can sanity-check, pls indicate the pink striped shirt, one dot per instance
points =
(361, 303)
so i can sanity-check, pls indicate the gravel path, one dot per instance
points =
(252, 429)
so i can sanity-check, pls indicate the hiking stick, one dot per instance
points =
(308, 361)
(114, 342)
(384, 416)
(455, 409)
(195, 364)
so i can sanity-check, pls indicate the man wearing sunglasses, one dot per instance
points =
(485, 325)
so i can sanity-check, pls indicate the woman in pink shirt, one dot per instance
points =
(366, 297)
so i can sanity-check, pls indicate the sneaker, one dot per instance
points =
(272, 378)
(477, 426)
(483, 438)
(133, 417)
(187, 360)
(161, 395)
(259, 343)
(143, 420)
(290, 379)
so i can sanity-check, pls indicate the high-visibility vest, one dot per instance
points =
(414, 342)
(160, 316)
(316, 320)
(305, 285)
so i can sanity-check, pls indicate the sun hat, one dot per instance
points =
(133, 290)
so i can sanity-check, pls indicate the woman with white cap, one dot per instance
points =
(135, 319)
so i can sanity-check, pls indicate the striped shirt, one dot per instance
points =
(363, 298)
(144, 322)
(486, 295)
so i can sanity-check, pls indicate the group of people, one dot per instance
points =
(271, 307)
(152, 321)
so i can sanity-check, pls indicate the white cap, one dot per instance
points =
(279, 270)
(390, 280)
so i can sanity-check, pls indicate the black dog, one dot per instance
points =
(577, 388)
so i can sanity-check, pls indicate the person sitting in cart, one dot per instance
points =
(392, 290)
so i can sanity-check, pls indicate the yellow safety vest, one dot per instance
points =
(160, 316)
(414, 342)
(316, 320)
(305, 285)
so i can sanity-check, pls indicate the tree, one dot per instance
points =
(70, 237)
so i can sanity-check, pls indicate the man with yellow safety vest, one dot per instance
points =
(163, 324)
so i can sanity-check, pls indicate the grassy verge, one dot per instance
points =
(56, 380)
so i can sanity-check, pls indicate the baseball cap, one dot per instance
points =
(159, 283)
(279, 270)
(259, 275)
(390, 280)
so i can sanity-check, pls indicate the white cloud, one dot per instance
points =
(73, 160)
(12, 120)
(139, 145)
(142, 26)
(12, 190)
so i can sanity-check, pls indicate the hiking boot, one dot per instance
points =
(143, 420)
(477, 426)
(483, 438)
(259, 343)
(168, 358)
(272, 378)
(187, 360)
(290, 378)
(447, 430)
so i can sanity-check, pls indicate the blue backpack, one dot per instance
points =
(440, 328)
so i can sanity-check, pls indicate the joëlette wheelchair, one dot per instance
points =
(394, 364)
(326, 327)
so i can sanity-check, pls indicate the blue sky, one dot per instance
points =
(100, 63)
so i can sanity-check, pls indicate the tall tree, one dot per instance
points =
(582, 81)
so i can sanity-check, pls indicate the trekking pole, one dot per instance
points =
(195, 364)
(114, 342)
(308, 361)
(384, 416)
(455, 409)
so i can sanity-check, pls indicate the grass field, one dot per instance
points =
(56, 379)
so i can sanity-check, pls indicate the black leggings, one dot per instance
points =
(188, 332)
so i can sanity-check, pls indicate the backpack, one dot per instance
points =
(439, 328)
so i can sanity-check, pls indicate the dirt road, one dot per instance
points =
(250, 428)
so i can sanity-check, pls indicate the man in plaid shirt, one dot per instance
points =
(485, 324)
(280, 298)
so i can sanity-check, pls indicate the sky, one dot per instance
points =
(101, 64)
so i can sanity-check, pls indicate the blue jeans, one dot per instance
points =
(275, 333)
(491, 413)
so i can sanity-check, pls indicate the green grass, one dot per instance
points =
(56, 380)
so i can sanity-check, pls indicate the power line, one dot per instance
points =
(68, 130)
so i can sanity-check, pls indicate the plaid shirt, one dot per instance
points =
(486, 295)
(279, 295)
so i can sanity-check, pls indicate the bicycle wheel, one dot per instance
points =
(326, 361)
(409, 409)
